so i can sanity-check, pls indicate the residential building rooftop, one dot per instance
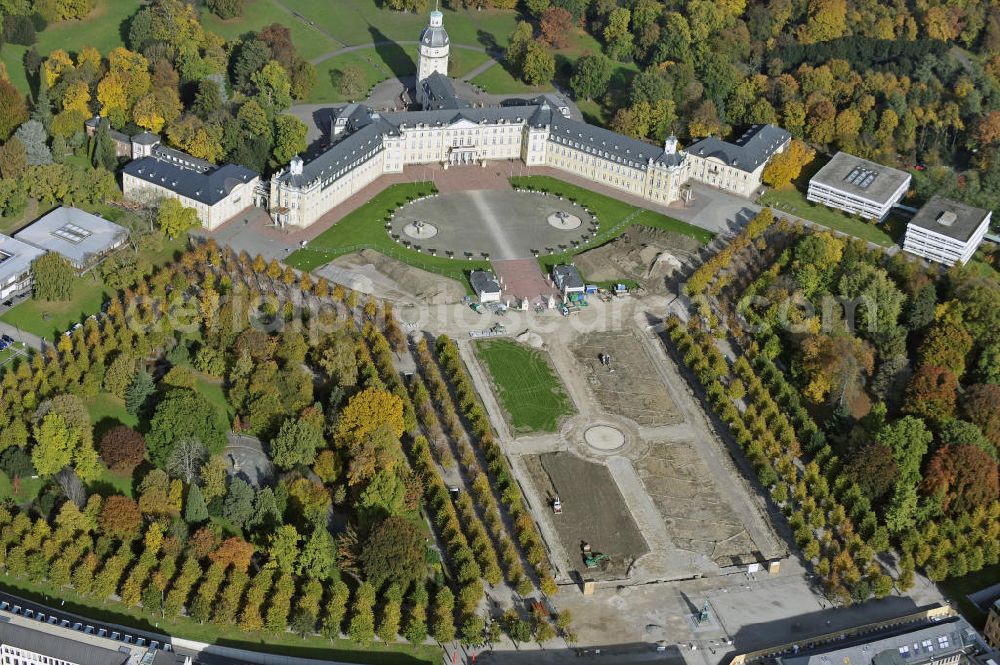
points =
(754, 147)
(75, 234)
(950, 218)
(47, 644)
(860, 177)
(188, 176)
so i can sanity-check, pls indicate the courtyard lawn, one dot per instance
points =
(377, 65)
(792, 201)
(526, 384)
(285, 643)
(364, 228)
(613, 215)
(102, 29)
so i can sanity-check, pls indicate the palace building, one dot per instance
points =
(538, 132)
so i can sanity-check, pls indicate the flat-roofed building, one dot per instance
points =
(858, 186)
(217, 193)
(946, 231)
(15, 266)
(81, 238)
(20, 645)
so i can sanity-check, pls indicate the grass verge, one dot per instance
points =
(793, 201)
(526, 384)
(364, 228)
(284, 643)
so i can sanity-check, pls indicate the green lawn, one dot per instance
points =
(956, 589)
(102, 29)
(106, 408)
(364, 228)
(365, 21)
(793, 201)
(309, 41)
(613, 215)
(30, 487)
(369, 61)
(526, 384)
(284, 643)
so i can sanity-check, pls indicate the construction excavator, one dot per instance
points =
(593, 559)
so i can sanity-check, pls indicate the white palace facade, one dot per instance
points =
(451, 132)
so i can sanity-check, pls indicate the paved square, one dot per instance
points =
(501, 223)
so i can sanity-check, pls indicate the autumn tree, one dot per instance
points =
(120, 518)
(931, 393)
(786, 166)
(123, 449)
(361, 627)
(13, 109)
(981, 405)
(556, 25)
(55, 441)
(964, 476)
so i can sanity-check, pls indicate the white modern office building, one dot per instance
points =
(858, 186)
(452, 132)
(16, 258)
(81, 238)
(946, 231)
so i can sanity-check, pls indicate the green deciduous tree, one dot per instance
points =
(296, 443)
(174, 219)
(54, 277)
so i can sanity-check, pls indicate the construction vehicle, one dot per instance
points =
(557, 506)
(593, 559)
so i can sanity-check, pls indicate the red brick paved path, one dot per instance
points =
(522, 278)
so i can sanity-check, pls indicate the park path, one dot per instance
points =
(323, 57)
(30, 339)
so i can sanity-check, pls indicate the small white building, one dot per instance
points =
(16, 258)
(858, 186)
(486, 285)
(81, 238)
(217, 193)
(946, 231)
(568, 280)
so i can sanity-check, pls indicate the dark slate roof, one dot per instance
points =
(607, 144)
(146, 138)
(567, 277)
(47, 644)
(434, 36)
(483, 281)
(182, 159)
(365, 129)
(119, 137)
(436, 92)
(949, 218)
(748, 152)
(208, 187)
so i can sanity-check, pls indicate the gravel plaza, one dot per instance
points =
(501, 224)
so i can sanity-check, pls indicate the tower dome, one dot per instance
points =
(434, 48)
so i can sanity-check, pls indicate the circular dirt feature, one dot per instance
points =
(420, 230)
(604, 437)
(564, 221)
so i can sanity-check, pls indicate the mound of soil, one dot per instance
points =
(646, 255)
(369, 271)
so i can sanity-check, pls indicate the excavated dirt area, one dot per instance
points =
(630, 386)
(371, 272)
(648, 256)
(593, 511)
(698, 517)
